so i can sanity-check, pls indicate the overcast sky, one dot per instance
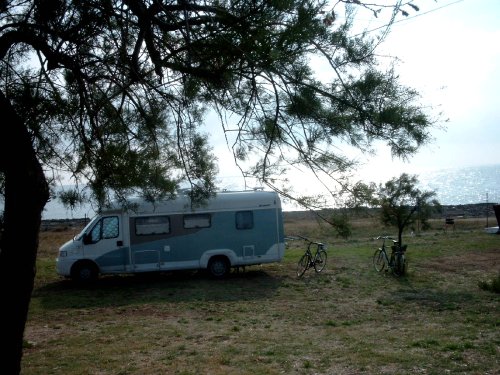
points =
(450, 52)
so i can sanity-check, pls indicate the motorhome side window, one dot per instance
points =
(244, 220)
(197, 221)
(105, 228)
(152, 225)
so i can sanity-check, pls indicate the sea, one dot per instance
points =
(464, 185)
(453, 186)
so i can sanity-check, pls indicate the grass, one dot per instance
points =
(347, 320)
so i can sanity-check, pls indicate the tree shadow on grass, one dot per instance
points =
(121, 290)
(434, 299)
(437, 300)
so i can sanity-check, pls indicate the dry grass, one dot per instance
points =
(346, 320)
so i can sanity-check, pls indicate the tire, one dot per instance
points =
(303, 264)
(320, 261)
(379, 261)
(218, 267)
(84, 272)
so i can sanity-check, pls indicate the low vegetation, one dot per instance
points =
(492, 285)
(349, 319)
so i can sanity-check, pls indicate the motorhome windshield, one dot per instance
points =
(79, 236)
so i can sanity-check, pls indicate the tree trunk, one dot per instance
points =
(401, 228)
(26, 192)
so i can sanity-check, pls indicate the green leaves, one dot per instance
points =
(403, 203)
(118, 94)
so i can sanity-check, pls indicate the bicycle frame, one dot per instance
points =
(308, 260)
(396, 262)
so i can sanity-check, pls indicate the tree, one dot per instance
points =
(113, 93)
(402, 203)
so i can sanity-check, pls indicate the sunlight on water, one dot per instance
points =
(466, 185)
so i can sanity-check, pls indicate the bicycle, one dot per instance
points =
(397, 260)
(308, 260)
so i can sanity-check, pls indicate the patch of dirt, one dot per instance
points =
(488, 261)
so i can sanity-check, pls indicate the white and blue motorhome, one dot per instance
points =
(234, 229)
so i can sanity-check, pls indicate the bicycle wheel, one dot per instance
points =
(303, 264)
(320, 261)
(379, 260)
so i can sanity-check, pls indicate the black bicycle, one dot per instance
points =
(310, 260)
(396, 262)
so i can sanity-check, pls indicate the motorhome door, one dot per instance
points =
(104, 244)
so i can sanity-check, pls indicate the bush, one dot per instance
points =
(491, 285)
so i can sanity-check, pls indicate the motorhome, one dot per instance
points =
(231, 230)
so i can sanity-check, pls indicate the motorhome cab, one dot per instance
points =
(233, 229)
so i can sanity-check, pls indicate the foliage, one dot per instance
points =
(403, 204)
(362, 195)
(399, 201)
(492, 285)
(340, 221)
(114, 93)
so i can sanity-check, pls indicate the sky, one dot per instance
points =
(451, 55)
(449, 52)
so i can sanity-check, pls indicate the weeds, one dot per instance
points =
(492, 285)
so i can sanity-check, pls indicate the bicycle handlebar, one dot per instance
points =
(306, 239)
(384, 238)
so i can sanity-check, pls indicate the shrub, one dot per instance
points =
(491, 285)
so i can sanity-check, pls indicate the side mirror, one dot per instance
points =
(87, 239)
